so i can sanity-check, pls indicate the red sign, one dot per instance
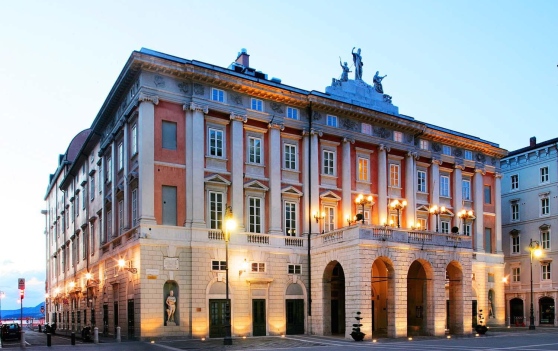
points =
(21, 283)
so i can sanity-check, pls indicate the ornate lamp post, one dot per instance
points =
(397, 205)
(465, 215)
(435, 210)
(534, 249)
(363, 201)
(228, 225)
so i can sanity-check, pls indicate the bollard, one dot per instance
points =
(40, 329)
(73, 338)
(118, 334)
(96, 335)
(49, 341)
(22, 345)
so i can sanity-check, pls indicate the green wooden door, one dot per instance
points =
(295, 316)
(258, 317)
(217, 309)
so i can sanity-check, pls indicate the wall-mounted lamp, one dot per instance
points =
(319, 216)
(90, 279)
(243, 267)
(129, 268)
(351, 221)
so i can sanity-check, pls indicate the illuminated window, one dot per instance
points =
(331, 121)
(363, 169)
(394, 175)
(421, 182)
(289, 156)
(398, 136)
(295, 269)
(258, 267)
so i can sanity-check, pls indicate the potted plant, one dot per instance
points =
(480, 327)
(357, 334)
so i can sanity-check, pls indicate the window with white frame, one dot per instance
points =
(366, 128)
(216, 142)
(169, 135)
(445, 226)
(446, 150)
(254, 215)
(421, 182)
(294, 269)
(289, 156)
(258, 267)
(444, 186)
(256, 104)
(424, 145)
(217, 95)
(544, 174)
(290, 218)
(468, 155)
(516, 274)
(329, 220)
(120, 156)
(134, 207)
(466, 189)
(328, 162)
(331, 120)
(545, 270)
(218, 265)
(292, 112)
(216, 207)
(100, 177)
(363, 169)
(545, 239)
(422, 223)
(398, 136)
(515, 211)
(468, 229)
(515, 244)
(545, 206)
(394, 175)
(84, 202)
(514, 180)
(254, 150)
(134, 146)
(92, 187)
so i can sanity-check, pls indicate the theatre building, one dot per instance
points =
(341, 205)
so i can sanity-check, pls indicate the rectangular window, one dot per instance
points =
(468, 229)
(289, 156)
(169, 205)
(217, 95)
(92, 187)
(421, 181)
(109, 169)
(84, 245)
(422, 223)
(394, 175)
(134, 139)
(544, 174)
(514, 180)
(515, 244)
(169, 135)
(254, 215)
(258, 267)
(446, 150)
(367, 128)
(218, 265)
(84, 202)
(491, 277)
(423, 144)
(257, 104)
(398, 136)
(92, 238)
(295, 269)
(329, 220)
(290, 219)
(515, 211)
(488, 240)
(100, 178)
(545, 271)
(121, 216)
(215, 142)
(120, 156)
(292, 113)
(215, 210)
(109, 223)
(331, 121)
(329, 162)
(445, 226)
(545, 239)
(363, 169)
(255, 150)
(466, 189)
(516, 274)
(468, 155)
(134, 207)
(444, 186)
(545, 206)
(487, 194)
(76, 207)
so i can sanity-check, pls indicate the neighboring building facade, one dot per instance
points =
(178, 142)
(530, 213)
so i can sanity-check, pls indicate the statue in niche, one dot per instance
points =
(346, 71)
(378, 82)
(357, 60)
(171, 306)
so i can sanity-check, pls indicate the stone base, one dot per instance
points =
(171, 324)
(360, 93)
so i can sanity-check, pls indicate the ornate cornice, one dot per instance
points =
(480, 170)
(459, 166)
(435, 161)
(236, 117)
(143, 97)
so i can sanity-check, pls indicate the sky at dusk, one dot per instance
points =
(484, 68)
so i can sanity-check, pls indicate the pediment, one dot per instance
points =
(290, 190)
(217, 179)
(423, 208)
(330, 195)
(255, 185)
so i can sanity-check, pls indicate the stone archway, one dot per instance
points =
(420, 312)
(334, 299)
(455, 303)
(383, 297)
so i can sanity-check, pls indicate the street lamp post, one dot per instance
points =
(228, 226)
(435, 210)
(397, 205)
(534, 249)
(362, 201)
(465, 215)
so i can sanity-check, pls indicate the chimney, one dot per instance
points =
(533, 141)
(243, 58)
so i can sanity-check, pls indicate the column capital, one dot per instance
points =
(412, 154)
(436, 161)
(480, 170)
(348, 140)
(459, 166)
(279, 126)
(383, 147)
(312, 131)
(498, 175)
(195, 107)
(237, 117)
(154, 99)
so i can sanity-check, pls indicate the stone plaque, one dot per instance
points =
(170, 264)
(152, 273)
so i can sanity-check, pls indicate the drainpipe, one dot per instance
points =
(309, 109)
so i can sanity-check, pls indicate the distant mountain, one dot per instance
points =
(31, 312)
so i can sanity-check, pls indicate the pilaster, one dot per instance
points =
(382, 183)
(146, 158)
(346, 180)
(237, 167)
(478, 208)
(410, 191)
(498, 211)
(275, 153)
(434, 188)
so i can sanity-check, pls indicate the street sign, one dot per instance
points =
(21, 283)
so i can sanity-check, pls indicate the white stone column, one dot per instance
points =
(478, 208)
(346, 181)
(410, 191)
(146, 159)
(274, 163)
(237, 167)
(195, 160)
(315, 171)
(457, 191)
(498, 211)
(305, 184)
(382, 184)
(434, 189)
